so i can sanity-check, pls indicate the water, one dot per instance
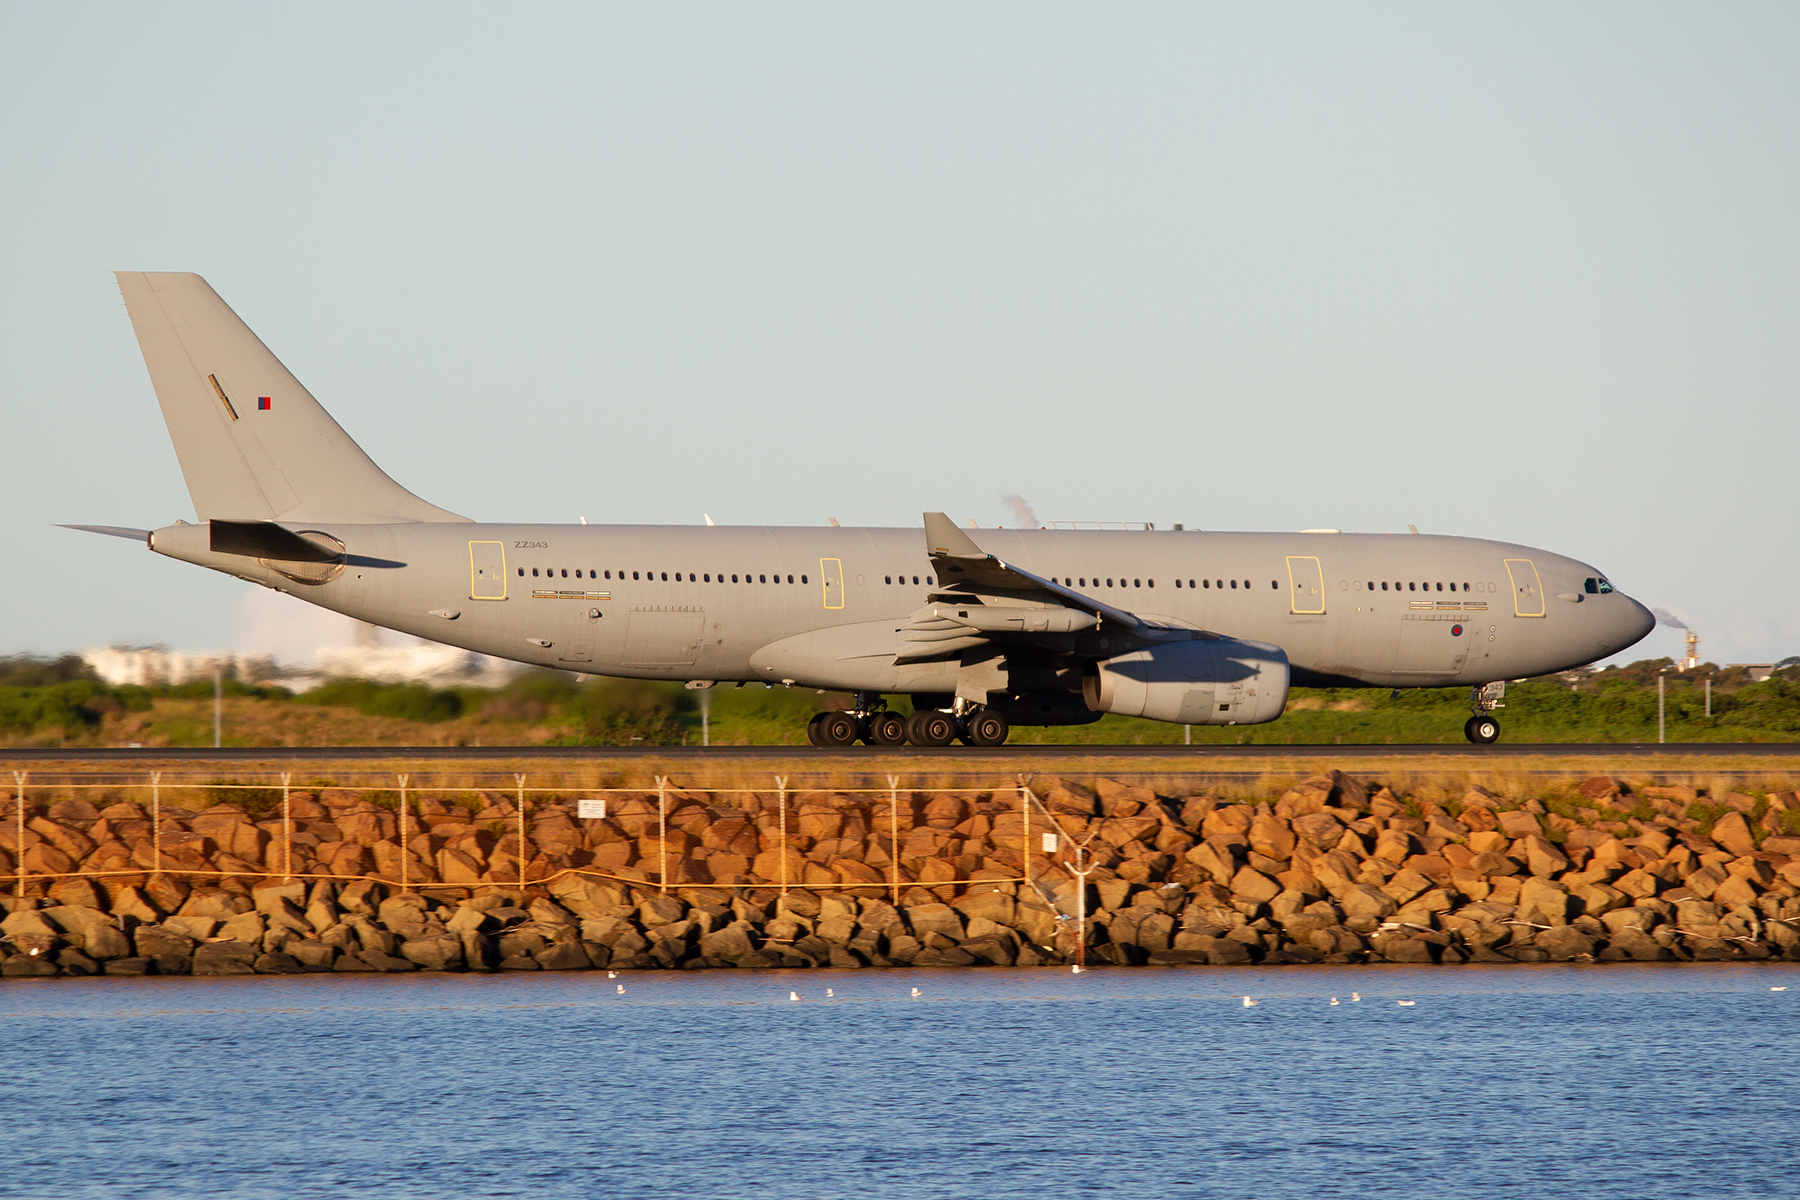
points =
(1618, 1081)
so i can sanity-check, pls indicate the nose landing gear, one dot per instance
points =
(1482, 728)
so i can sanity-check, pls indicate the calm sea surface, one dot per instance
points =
(1616, 1081)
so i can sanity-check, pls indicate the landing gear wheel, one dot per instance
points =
(988, 729)
(887, 729)
(929, 727)
(812, 729)
(838, 729)
(1482, 730)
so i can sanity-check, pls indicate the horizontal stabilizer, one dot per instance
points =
(265, 539)
(120, 531)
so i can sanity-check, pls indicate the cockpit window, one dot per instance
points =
(1605, 587)
(1596, 587)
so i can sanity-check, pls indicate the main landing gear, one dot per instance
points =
(871, 722)
(1482, 728)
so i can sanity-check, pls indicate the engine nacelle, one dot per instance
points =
(1223, 682)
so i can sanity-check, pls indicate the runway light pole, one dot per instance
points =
(1660, 680)
(218, 704)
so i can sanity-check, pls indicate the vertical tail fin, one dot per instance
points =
(253, 443)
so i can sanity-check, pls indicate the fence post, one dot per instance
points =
(894, 839)
(287, 829)
(156, 821)
(781, 799)
(521, 780)
(1025, 828)
(403, 889)
(19, 777)
(662, 832)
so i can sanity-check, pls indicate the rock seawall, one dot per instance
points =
(1333, 870)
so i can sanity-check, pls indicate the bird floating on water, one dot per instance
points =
(793, 995)
(1249, 1003)
(1406, 1003)
(1334, 1001)
(916, 993)
(612, 974)
(621, 989)
(1075, 970)
(829, 993)
(1355, 997)
(1778, 989)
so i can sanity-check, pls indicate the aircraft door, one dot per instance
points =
(487, 570)
(1306, 585)
(831, 579)
(1528, 591)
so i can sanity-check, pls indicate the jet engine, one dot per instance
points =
(1221, 682)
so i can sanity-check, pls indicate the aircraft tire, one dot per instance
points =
(1482, 730)
(929, 727)
(812, 729)
(887, 729)
(988, 729)
(839, 729)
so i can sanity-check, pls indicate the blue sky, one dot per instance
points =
(1524, 272)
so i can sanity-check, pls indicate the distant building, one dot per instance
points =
(421, 662)
(153, 666)
(1756, 671)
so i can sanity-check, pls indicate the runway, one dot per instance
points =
(1199, 756)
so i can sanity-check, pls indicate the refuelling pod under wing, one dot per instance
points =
(1212, 682)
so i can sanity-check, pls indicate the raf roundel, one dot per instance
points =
(1456, 631)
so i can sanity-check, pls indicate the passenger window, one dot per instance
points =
(1440, 587)
(1137, 583)
(1384, 585)
(1234, 583)
(1178, 583)
(534, 572)
(1109, 583)
(1190, 583)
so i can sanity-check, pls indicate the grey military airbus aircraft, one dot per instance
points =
(981, 629)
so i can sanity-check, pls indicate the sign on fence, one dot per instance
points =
(591, 810)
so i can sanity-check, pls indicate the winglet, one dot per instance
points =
(943, 537)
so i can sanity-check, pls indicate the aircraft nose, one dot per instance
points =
(1635, 623)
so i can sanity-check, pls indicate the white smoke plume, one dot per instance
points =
(1021, 509)
(1665, 617)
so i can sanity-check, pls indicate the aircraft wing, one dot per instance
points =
(981, 598)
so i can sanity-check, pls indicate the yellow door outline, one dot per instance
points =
(1297, 583)
(1528, 589)
(831, 581)
(476, 582)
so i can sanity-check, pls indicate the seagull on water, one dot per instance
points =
(1075, 970)
(829, 994)
(793, 995)
(1334, 1002)
(621, 989)
(1355, 997)
(1249, 1003)
(1778, 989)
(1406, 1003)
(612, 974)
(917, 993)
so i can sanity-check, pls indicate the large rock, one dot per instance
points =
(1733, 834)
(170, 949)
(1254, 886)
(1542, 902)
(1271, 837)
(993, 906)
(441, 953)
(940, 919)
(1361, 902)
(1543, 858)
(1563, 943)
(226, 958)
